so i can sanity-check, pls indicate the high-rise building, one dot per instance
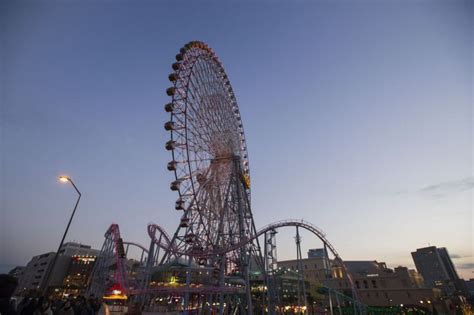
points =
(17, 272)
(320, 253)
(77, 249)
(78, 274)
(34, 275)
(436, 267)
(317, 253)
(376, 284)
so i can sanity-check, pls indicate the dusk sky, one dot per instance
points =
(358, 118)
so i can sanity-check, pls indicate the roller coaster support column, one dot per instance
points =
(269, 252)
(300, 271)
(338, 303)
(330, 302)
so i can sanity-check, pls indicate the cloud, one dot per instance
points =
(443, 189)
(465, 266)
(460, 256)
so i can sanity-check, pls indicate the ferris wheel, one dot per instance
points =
(209, 154)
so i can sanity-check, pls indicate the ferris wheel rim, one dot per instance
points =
(212, 62)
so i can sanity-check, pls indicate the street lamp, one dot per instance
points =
(63, 179)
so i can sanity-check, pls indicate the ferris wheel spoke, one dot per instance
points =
(207, 144)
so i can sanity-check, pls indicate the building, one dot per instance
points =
(36, 271)
(318, 253)
(76, 249)
(376, 285)
(437, 269)
(470, 290)
(17, 272)
(315, 270)
(77, 277)
(380, 286)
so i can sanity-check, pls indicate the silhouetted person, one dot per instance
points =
(7, 287)
(94, 304)
(56, 306)
(66, 309)
(79, 306)
(30, 306)
(43, 308)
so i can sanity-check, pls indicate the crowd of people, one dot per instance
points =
(41, 305)
(79, 305)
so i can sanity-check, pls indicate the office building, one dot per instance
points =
(437, 269)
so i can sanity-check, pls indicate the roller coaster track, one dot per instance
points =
(272, 226)
(279, 224)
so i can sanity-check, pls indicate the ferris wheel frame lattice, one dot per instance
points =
(216, 234)
(211, 168)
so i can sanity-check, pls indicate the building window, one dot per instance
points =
(366, 286)
(374, 284)
(315, 266)
(357, 285)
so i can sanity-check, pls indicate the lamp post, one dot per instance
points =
(63, 179)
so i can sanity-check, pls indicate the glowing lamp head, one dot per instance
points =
(117, 292)
(63, 179)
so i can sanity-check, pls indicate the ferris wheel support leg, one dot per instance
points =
(203, 304)
(248, 291)
(186, 295)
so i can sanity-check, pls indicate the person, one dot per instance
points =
(7, 287)
(66, 309)
(56, 306)
(104, 309)
(94, 304)
(44, 307)
(27, 305)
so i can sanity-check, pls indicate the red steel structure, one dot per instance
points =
(216, 234)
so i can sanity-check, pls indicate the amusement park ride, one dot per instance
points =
(210, 263)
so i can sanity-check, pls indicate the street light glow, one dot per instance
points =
(63, 179)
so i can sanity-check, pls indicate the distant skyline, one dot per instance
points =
(358, 118)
